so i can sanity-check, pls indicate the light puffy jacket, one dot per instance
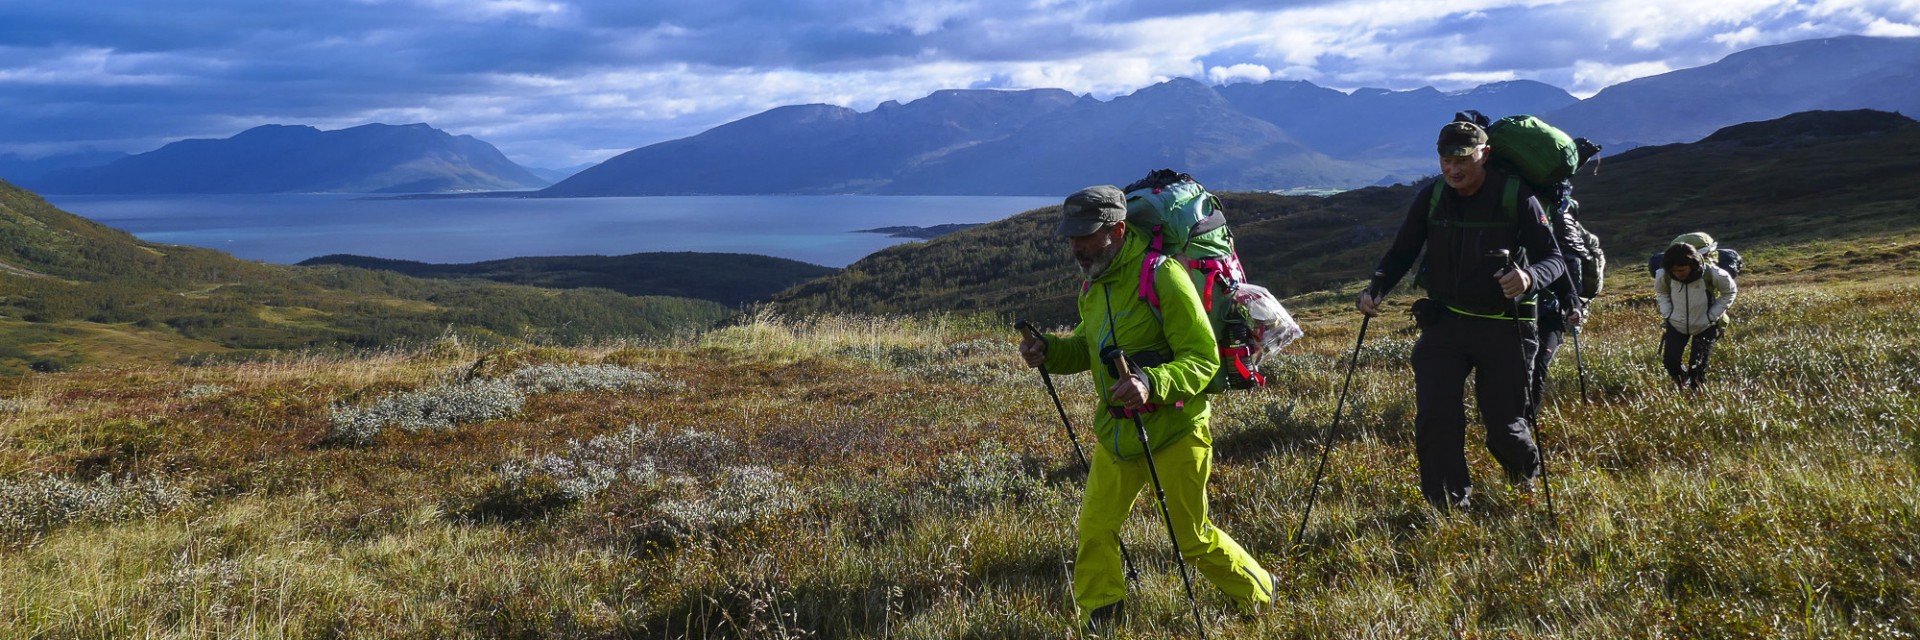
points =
(1180, 330)
(1692, 307)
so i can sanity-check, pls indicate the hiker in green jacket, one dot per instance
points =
(1176, 355)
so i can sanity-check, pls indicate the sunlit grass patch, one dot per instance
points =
(908, 477)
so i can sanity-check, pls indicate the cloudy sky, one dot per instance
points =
(557, 83)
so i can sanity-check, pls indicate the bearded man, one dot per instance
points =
(1174, 357)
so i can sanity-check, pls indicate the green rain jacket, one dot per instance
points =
(1112, 311)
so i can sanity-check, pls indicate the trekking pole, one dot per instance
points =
(1579, 366)
(1332, 429)
(1027, 329)
(1520, 332)
(1146, 448)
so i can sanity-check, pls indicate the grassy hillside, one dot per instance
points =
(892, 475)
(731, 279)
(1765, 185)
(75, 292)
(887, 477)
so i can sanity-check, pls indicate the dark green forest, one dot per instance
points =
(731, 279)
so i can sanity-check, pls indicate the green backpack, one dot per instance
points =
(1534, 150)
(1188, 224)
(1544, 156)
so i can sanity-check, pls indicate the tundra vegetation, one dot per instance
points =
(873, 476)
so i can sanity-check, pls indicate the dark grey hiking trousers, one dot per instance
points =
(1499, 354)
(1673, 343)
(1551, 339)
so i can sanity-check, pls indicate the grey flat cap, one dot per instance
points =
(1088, 209)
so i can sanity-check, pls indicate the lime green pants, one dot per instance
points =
(1099, 577)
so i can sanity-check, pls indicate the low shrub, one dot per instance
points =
(31, 507)
(441, 407)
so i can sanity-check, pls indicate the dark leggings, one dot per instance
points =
(1550, 341)
(1675, 342)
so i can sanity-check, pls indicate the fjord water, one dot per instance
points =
(288, 228)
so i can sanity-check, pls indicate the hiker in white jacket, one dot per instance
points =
(1693, 300)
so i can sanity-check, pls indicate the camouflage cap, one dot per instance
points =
(1461, 138)
(1089, 209)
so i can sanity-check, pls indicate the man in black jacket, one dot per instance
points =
(1488, 250)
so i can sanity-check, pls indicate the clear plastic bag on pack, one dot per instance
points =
(1273, 327)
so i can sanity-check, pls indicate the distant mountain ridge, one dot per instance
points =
(1829, 74)
(22, 170)
(1178, 123)
(1274, 135)
(373, 158)
(815, 148)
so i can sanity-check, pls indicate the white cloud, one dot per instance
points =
(1649, 25)
(1239, 73)
(1739, 39)
(1591, 77)
(1473, 79)
(542, 13)
(1885, 28)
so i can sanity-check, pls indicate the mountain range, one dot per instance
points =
(373, 158)
(1269, 136)
(1276, 135)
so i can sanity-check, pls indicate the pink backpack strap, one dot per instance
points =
(1155, 255)
(1212, 268)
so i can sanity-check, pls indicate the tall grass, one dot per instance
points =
(875, 477)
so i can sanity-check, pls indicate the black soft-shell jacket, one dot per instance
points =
(1458, 231)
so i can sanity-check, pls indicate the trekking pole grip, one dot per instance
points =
(1026, 329)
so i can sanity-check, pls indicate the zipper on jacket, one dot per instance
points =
(1112, 338)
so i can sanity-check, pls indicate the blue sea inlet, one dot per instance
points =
(287, 228)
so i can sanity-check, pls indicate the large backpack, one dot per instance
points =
(1534, 150)
(1187, 223)
(1710, 253)
(1546, 158)
(1593, 262)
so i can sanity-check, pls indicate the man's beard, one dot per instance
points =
(1092, 269)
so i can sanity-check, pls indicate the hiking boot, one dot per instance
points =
(1697, 378)
(1451, 502)
(1253, 608)
(1104, 620)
